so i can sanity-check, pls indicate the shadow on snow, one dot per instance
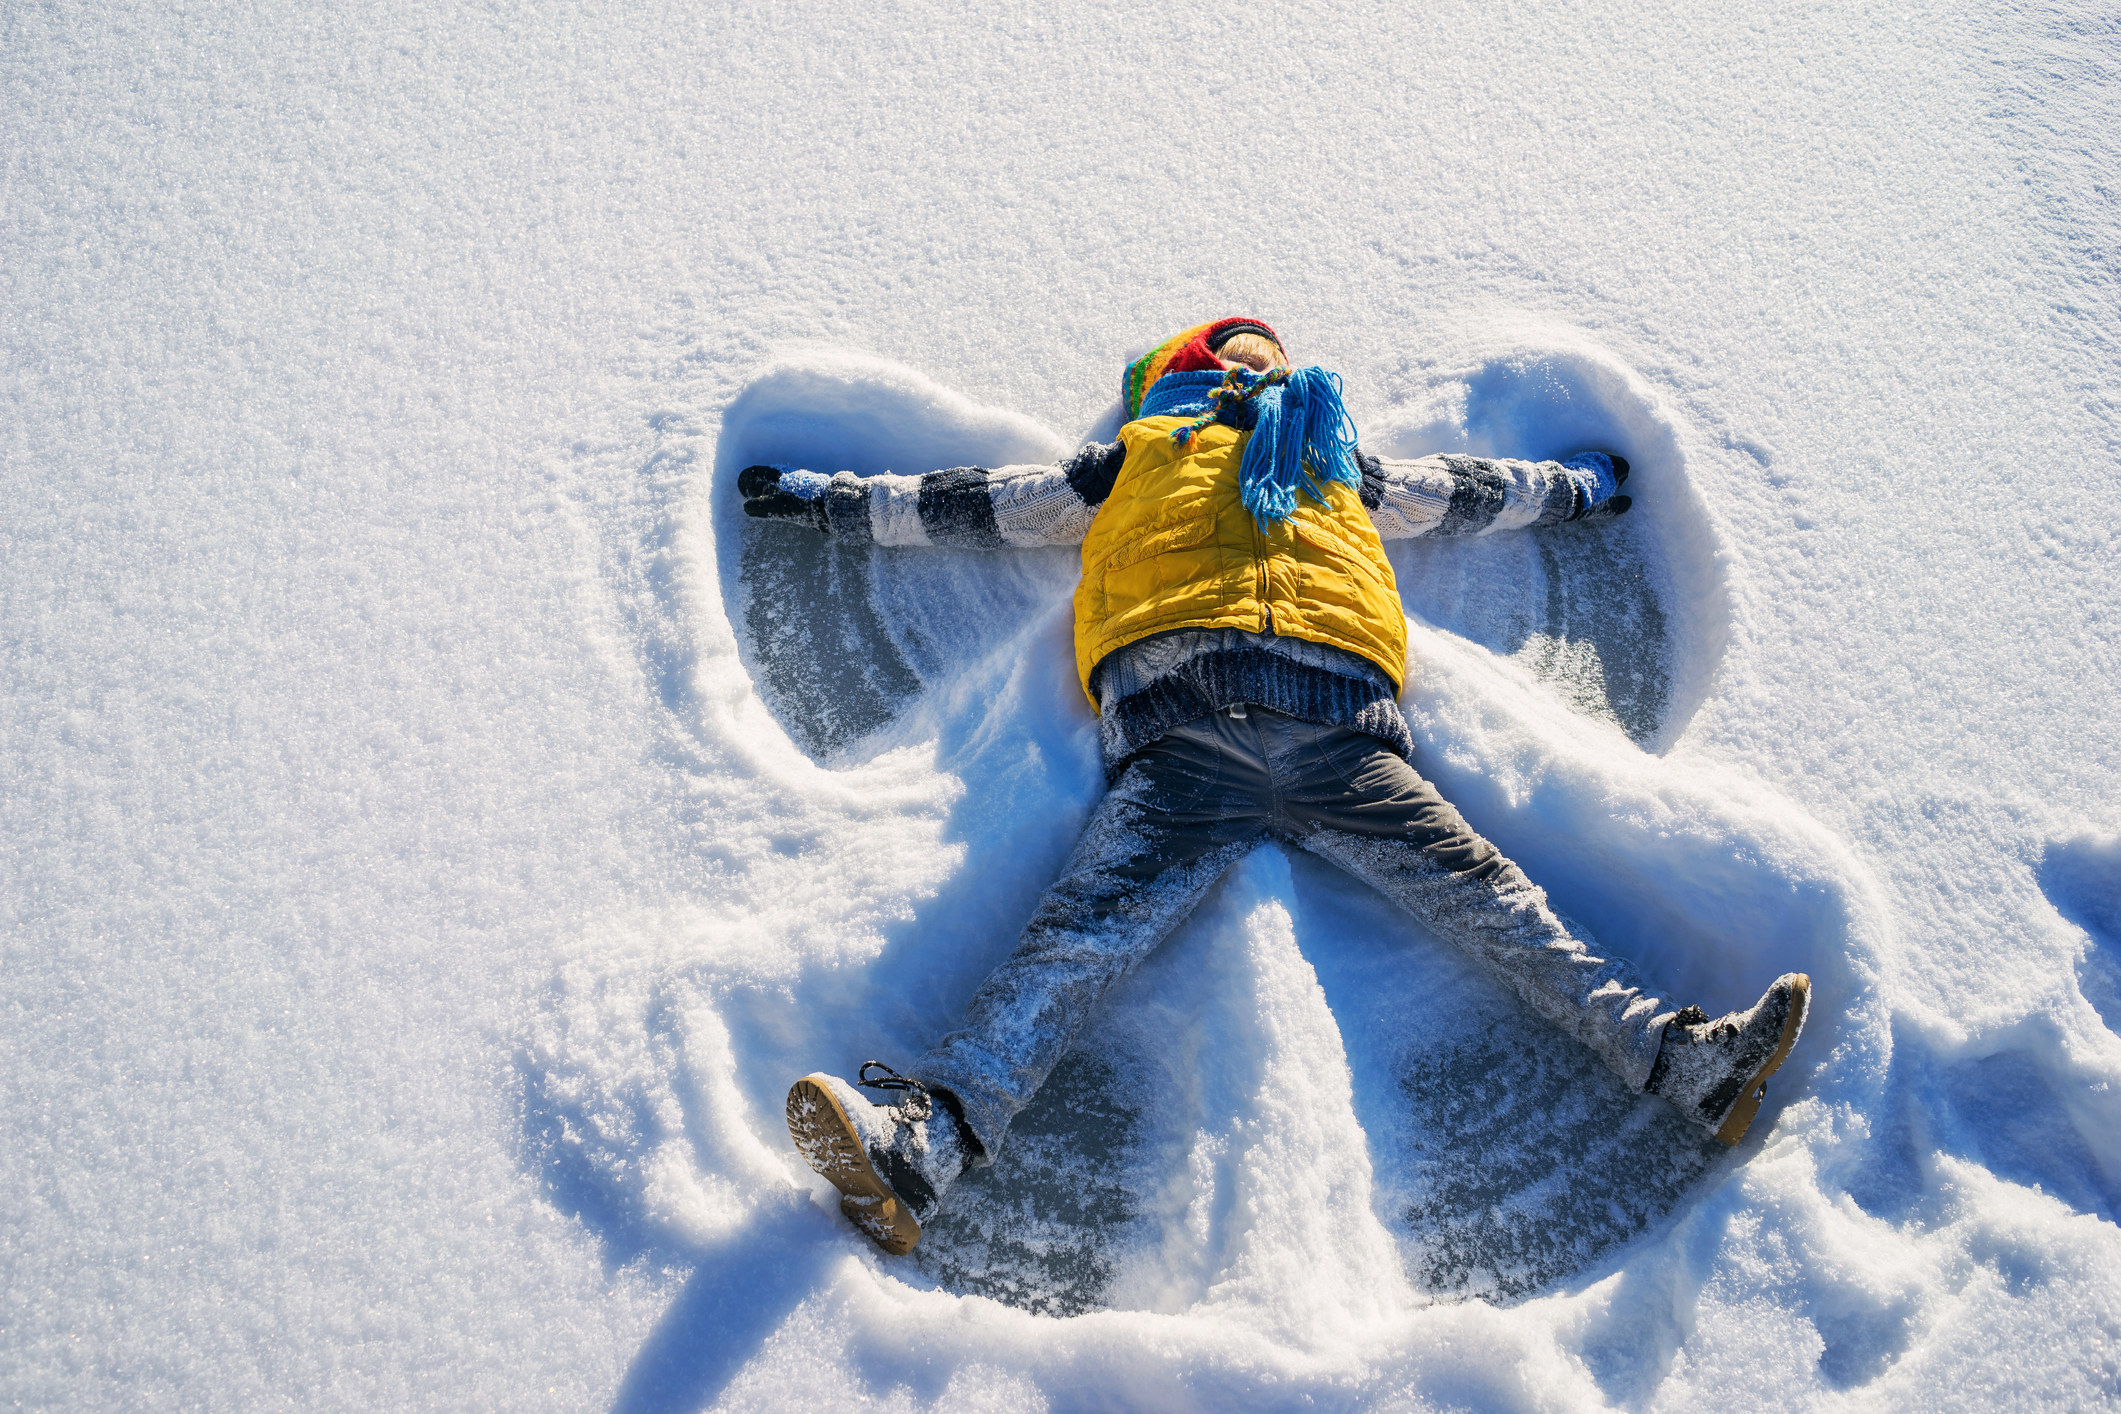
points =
(1505, 1160)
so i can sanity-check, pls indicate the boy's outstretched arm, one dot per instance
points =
(966, 507)
(1452, 495)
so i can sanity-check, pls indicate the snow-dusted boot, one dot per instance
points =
(891, 1163)
(1715, 1071)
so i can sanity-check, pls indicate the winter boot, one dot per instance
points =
(891, 1163)
(1714, 1071)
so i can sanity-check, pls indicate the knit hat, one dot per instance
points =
(1301, 437)
(1190, 352)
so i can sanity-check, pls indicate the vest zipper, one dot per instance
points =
(1259, 565)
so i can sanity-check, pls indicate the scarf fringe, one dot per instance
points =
(1302, 436)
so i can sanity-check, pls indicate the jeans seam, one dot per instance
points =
(1275, 813)
(1318, 747)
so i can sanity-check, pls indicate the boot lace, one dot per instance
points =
(1697, 1029)
(918, 1104)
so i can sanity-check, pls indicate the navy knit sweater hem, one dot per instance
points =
(1253, 676)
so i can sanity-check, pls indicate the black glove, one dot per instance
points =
(773, 494)
(1598, 475)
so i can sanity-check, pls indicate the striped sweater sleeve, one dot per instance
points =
(1452, 495)
(977, 508)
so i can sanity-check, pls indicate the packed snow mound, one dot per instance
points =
(438, 825)
(1302, 1099)
(1628, 623)
(839, 640)
(1298, 1047)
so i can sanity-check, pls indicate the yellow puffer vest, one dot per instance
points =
(1174, 547)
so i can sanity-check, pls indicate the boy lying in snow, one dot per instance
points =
(1238, 629)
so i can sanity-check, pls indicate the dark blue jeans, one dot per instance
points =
(1189, 806)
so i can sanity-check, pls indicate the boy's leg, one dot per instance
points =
(1186, 808)
(1347, 798)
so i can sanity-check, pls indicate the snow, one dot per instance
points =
(439, 826)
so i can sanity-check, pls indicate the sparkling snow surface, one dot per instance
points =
(439, 826)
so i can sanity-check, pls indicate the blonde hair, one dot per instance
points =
(1247, 347)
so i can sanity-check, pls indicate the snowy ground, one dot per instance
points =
(438, 827)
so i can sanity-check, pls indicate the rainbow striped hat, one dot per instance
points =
(1183, 353)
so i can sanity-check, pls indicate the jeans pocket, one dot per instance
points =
(1182, 767)
(1346, 756)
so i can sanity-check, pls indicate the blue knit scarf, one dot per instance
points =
(1302, 436)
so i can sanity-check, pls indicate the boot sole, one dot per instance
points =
(1740, 1118)
(826, 1139)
